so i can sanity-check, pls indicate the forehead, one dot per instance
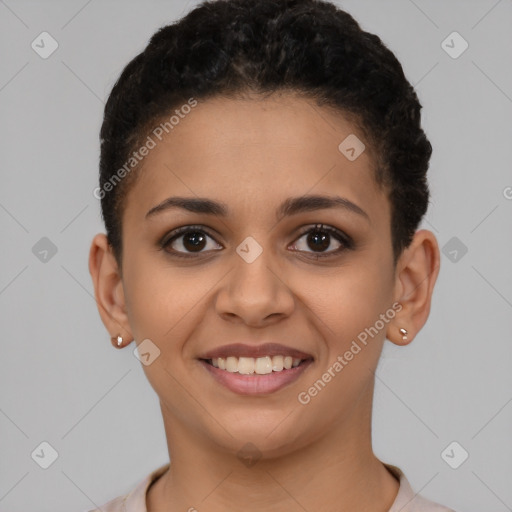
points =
(249, 152)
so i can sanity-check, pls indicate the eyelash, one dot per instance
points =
(345, 240)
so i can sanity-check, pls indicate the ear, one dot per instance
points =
(416, 274)
(108, 288)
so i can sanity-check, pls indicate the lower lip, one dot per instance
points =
(256, 384)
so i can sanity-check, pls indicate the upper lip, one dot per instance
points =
(266, 349)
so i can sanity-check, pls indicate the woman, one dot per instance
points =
(262, 179)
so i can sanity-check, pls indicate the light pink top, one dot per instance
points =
(406, 500)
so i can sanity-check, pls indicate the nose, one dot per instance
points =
(255, 293)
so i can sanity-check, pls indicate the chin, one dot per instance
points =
(266, 435)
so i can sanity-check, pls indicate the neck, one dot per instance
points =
(337, 472)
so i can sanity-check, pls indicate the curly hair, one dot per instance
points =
(310, 47)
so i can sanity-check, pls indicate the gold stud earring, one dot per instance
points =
(403, 332)
(117, 341)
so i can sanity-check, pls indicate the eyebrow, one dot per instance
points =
(291, 206)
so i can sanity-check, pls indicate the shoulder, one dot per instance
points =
(135, 500)
(409, 501)
(115, 505)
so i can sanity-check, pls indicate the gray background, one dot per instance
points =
(62, 382)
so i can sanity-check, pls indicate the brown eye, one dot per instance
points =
(193, 241)
(188, 240)
(320, 238)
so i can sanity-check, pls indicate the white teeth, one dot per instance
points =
(277, 363)
(232, 364)
(260, 365)
(245, 365)
(263, 365)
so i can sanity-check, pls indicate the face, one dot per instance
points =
(253, 268)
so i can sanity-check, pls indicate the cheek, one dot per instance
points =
(347, 311)
(159, 303)
(348, 301)
(155, 298)
(163, 303)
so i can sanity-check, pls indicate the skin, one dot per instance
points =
(252, 154)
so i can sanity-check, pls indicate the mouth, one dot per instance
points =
(249, 370)
(256, 366)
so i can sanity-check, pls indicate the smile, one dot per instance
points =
(251, 365)
(248, 369)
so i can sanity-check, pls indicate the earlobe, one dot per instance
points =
(404, 333)
(108, 288)
(399, 335)
(417, 271)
